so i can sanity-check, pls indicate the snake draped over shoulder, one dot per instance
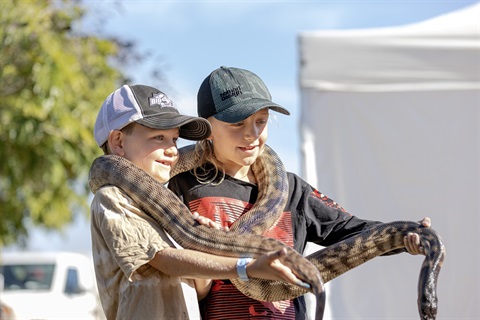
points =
(245, 240)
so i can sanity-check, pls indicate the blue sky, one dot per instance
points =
(189, 39)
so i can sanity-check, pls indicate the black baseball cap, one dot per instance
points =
(233, 94)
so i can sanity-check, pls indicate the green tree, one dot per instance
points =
(52, 83)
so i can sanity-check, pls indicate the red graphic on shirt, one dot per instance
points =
(226, 211)
(223, 295)
(327, 201)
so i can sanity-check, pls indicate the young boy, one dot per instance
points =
(237, 103)
(139, 272)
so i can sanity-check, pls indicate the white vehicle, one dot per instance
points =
(49, 285)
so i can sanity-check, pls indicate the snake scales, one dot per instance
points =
(318, 268)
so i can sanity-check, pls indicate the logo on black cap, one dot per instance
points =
(231, 93)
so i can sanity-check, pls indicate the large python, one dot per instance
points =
(317, 269)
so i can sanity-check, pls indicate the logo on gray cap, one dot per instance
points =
(161, 99)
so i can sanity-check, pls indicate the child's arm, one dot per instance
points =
(192, 264)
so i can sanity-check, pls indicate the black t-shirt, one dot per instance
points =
(309, 216)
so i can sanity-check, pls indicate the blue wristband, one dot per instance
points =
(242, 268)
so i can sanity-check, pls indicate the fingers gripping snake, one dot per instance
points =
(246, 240)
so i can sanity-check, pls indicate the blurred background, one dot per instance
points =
(60, 59)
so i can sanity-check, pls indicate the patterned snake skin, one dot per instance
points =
(320, 267)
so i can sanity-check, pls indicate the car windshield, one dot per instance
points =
(27, 276)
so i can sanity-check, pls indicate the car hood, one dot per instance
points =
(46, 305)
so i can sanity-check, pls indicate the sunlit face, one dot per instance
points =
(154, 151)
(237, 145)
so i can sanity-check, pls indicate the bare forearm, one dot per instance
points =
(194, 264)
(199, 265)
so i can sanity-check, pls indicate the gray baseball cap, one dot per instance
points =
(233, 94)
(147, 106)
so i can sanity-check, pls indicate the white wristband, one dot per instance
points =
(242, 268)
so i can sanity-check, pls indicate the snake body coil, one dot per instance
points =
(322, 266)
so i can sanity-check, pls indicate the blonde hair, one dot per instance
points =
(207, 163)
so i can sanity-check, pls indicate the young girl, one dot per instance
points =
(236, 102)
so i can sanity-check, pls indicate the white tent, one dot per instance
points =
(390, 130)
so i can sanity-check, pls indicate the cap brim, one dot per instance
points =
(245, 109)
(191, 128)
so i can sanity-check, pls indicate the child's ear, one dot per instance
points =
(115, 142)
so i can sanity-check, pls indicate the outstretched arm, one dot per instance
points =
(194, 264)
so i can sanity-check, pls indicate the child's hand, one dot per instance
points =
(207, 222)
(412, 240)
(268, 266)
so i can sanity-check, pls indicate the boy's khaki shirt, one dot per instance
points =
(124, 240)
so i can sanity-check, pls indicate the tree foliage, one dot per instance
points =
(52, 82)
